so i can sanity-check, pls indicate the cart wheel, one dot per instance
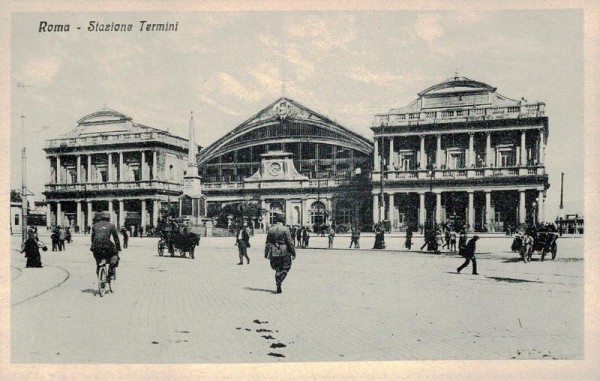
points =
(554, 249)
(161, 247)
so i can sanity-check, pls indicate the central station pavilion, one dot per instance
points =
(292, 160)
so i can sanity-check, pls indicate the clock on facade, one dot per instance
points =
(275, 169)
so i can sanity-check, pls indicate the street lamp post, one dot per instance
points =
(382, 171)
(24, 208)
(430, 174)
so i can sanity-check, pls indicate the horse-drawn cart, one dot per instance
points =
(541, 243)
(182, 242)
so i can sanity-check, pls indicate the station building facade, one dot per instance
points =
(290, 159)
(110, 163)
(460, 153)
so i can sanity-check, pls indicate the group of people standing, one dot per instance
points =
(300, 235)
(443, 237)
(59, 236)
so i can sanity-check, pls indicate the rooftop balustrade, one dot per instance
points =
(116, 138)
(115, 185)
(459, 115)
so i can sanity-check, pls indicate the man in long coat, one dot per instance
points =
(468, 252)
(279, 249)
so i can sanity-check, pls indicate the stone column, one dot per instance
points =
(78, 171)
(121, 220)
(155, 213)
(143, 165)
(121, 168)
(375, 208)
(111, 212)
(377, 160)
(143, 214)
(110, 168)
(470, 159)
(422, 155)
(438, 207)
(89, 169)
(523, 149)
(392, 210)
(488, 149)
(522, 206)
(90, 218)
(391, 162)
(438, 151)
(422, 210)
(471, 210)
(541, 148)
(58, 177)
(79, 217)
(59, 219)
(488, 209)
(48, 215)
(154, 166)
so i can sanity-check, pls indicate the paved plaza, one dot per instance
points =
(337, 305)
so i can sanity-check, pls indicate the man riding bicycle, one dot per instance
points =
(102, 246)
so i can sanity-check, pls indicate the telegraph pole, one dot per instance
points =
(562, 180)
(24, 211)
(381, 193)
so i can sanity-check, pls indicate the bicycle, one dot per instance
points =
(103, 279)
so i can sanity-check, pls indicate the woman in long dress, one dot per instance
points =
(31, 249)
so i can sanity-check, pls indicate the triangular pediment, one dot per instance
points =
(283, 109)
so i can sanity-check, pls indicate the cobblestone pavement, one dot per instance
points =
(336, 305)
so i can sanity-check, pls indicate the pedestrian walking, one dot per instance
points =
(355, 237)
(305, 236)
(468, 252)
(62, 236)
(125, 237)
(279, 249)
(453, 237)
(141, 231)
(408, 240)
(299, 236)
(55, 240)
(293, 233)
(446, 239)
(31, 248)
(242, 240)
(462, 239)
(379, 238)
(331, 236)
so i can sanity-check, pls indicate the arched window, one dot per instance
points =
(317, 213)
(344, 212)
(275, 208)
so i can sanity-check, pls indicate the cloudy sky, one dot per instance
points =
(226, 66)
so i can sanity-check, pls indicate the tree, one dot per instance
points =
(15, 196)
(358, 190)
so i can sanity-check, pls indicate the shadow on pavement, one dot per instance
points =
(89, 291)
(259, 289)
(513, 280)
(512, 260)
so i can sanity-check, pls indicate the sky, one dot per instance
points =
(348, 65)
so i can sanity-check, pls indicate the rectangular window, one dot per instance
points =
(104, 175)
(16, 219)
